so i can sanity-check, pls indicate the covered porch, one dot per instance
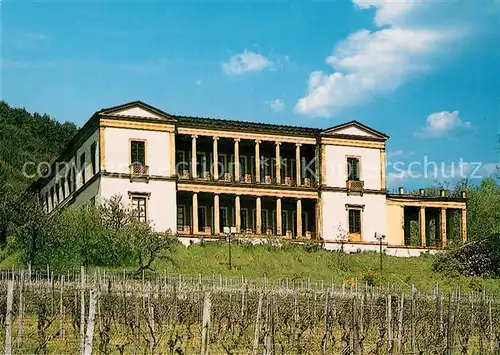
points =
(206, 214)
(426, 221)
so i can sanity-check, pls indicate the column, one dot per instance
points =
(102, 166)
(258, 216)
(443, 228)
(279, 222)
(237, 159)
(216, 215)
(299, 218)
(423, 239)
(318, 219)
(173, 171)
(257, 161)
(215, 158)
(322, 162)
(382, 169)
(194, 173)
(195, 213)
(237, 211)
(278, 163)
(464, 225)
(297, 163)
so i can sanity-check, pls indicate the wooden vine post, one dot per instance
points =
(8, 318)
(205, 326)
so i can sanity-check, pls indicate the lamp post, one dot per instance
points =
(380, 238)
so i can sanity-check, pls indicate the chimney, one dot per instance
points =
(422, 192)
(442, 193)
(401, 190)
(464, 194)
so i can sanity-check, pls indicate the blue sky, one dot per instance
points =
(425, 73)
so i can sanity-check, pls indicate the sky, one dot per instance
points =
(427, 73)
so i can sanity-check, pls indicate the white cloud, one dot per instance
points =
(441, 123)
(369, 63)
(388, 11)
(246, 62)
(395, 154)
(398, 177)
(276, 105)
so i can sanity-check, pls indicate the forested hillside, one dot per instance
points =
(27, 137)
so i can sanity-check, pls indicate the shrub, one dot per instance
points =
(369, 278)
(312, 246)
(107, 235)
(478, 258)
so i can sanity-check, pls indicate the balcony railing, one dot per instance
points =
(355, 186)
(139, 171)
(244, 178)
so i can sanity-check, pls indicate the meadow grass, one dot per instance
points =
(296, 262)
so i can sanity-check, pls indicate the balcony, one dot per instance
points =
(355, 186)
(139, 172)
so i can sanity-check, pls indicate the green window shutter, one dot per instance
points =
(354, 221)
(138, 152)
(353, 168)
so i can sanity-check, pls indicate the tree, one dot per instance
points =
(32, 227)
(149, 245)
(6, 203)
(342, 236)
(26, 138)
(483, 208)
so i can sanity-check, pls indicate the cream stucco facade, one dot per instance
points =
(196, 176)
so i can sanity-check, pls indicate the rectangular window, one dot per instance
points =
(201, 160)
(70, 186)
(82, 167)
(265, 168)
(52, 200)
(181, 218)
(63, 187)
(181, 163)
(223, 220)
(57, 193)
(243, 165)
(139, 208)
(284, 222)
(93, 150)
(222, 165)
(244, 220)
(138, 152)
(263, 214)
(202, 218)
(355, 221)
(73, 178)
(353, 169)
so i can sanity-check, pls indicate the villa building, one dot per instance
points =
(195, 176)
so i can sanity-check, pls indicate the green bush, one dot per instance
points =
(106, 236)
(478, 258)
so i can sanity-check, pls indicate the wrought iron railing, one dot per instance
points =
(355, 185)
(139, 170)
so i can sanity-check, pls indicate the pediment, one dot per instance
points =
(136, 109)
(354, 129)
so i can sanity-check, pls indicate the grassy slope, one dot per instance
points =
(295, 262)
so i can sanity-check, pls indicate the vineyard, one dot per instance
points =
(104, 313)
